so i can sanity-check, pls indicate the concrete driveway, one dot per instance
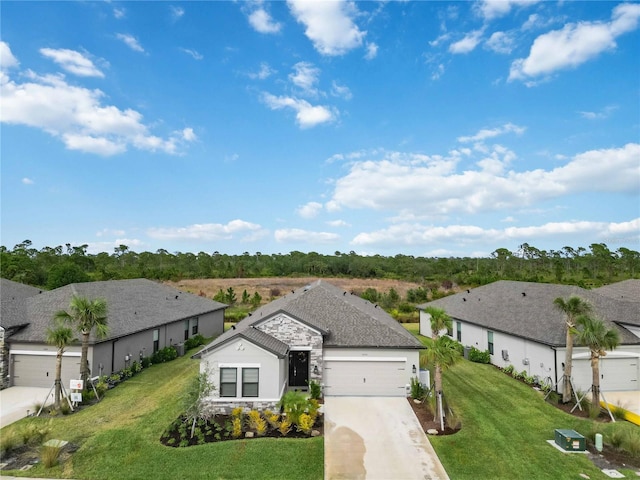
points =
(376, 438)
(15, 401)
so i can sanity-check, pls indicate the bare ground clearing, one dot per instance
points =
(265, 286)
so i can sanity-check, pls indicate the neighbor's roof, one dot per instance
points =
(345, 320)
(13, 297)
(526, 310)
(628, 290)
(132, 306)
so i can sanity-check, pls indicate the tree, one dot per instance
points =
(59, 336)
(593, 333)
(443, 352)
(87, 315)
(572, 308)
(439, 321)
(197, 390)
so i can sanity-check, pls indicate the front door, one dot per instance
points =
(298, 368)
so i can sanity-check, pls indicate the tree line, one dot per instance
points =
(52, 267)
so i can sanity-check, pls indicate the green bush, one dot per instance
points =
(145, 362)
(509, 369)
(163, 355)
(293, 404)
(194, 342)
(34, 433)
(479, 356)
(417, 389)
(315, 390)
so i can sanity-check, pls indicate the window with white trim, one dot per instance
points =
(228, 382)
(194, 326)
(490, 341)
(156, 340)
(250, 378)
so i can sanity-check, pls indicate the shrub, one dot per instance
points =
(34, 433)
(253, 418)
(194, 342)
(631, 443)
(136, 367)
(615, 438)
(50, 454)
(312, 407)
(315, 390)
(101, 386)
(529, 380)
(479, 356)
(165, 354)
(237, 412)
(417, 389)
(293, 404)
(272, 418)
(617, 411)
(236, 430)
(305, 423)
(284, 428)
(114, 378)
(509, 369)
(145, 362)
(8, 442)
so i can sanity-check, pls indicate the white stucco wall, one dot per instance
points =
(241, 353)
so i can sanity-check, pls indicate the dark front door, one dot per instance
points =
(298, 368)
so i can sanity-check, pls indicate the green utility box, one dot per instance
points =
(570, 440)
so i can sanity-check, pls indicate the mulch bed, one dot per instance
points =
(425, 417)
(217, 429)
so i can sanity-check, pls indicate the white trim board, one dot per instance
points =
(366, 359)
(43, 352)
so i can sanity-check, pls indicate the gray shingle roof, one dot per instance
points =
(501, 306)
(628, 290)
(13, 297)
(255, 336)
(345, 320)
(133, 305)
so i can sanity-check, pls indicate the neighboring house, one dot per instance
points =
(143, 317)
(317, 333)
(520, 326)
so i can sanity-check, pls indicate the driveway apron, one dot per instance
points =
(15, 402)
(376, 438)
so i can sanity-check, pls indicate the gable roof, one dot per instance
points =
(132, 306)
(13, 297)
(345, 320)
(628, 290)
(526, 310)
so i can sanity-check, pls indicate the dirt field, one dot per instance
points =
(265, 286)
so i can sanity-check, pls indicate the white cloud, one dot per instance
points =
(307, 115)
(468, 43)
(119, 13)
(338, 223)
(493, 132)
(372, 51)
(130, 41)
(490, 9)
(405, 183)
(235, 229)
(297, 235)
(341, 91)
(78, 117)
(329, 25)
(27, 181)
(110, 232)
(310, 210)
(177, 12)
(262, 22)
(72, 61)
(437, 72)
(193, 53)
(602, 114)
(466, 235)
(305, 76)
(500, 42)
(7, 60)
(575, 44)
(265, 72)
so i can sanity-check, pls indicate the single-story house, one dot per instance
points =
(317, 333)
(143, 316)
(520, 326)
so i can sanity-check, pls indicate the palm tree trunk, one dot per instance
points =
(566, 391)
(58, 388)
(595, 380)
(84, 361)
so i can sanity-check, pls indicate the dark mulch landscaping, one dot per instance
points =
(425, 417)
(218, 429)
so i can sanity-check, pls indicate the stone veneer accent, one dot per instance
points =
(296, 334)
(209, 409)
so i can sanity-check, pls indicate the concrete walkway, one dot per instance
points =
(16, 401)
(376, 438)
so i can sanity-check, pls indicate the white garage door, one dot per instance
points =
(366, 378)
(40, 370)
(616, 374)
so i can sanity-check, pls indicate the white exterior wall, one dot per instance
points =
(412, 357)
(242, 353)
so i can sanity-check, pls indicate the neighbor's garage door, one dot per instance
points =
(366, 378)
(616, 374)
(40, 370)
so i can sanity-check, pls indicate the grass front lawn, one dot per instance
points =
(119, 438)
(505, 428)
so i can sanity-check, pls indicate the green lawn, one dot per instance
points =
(119, 438)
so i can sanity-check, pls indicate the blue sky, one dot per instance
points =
(421, 128)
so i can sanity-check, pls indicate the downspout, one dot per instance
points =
(113, 354)
(555, 367)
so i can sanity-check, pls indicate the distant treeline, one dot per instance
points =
(52, 267)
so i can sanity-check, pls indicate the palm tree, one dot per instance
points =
(439, 321)
(442, 352)
(60, 336)
(86, 315)
(572, 308)
(593, 333)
